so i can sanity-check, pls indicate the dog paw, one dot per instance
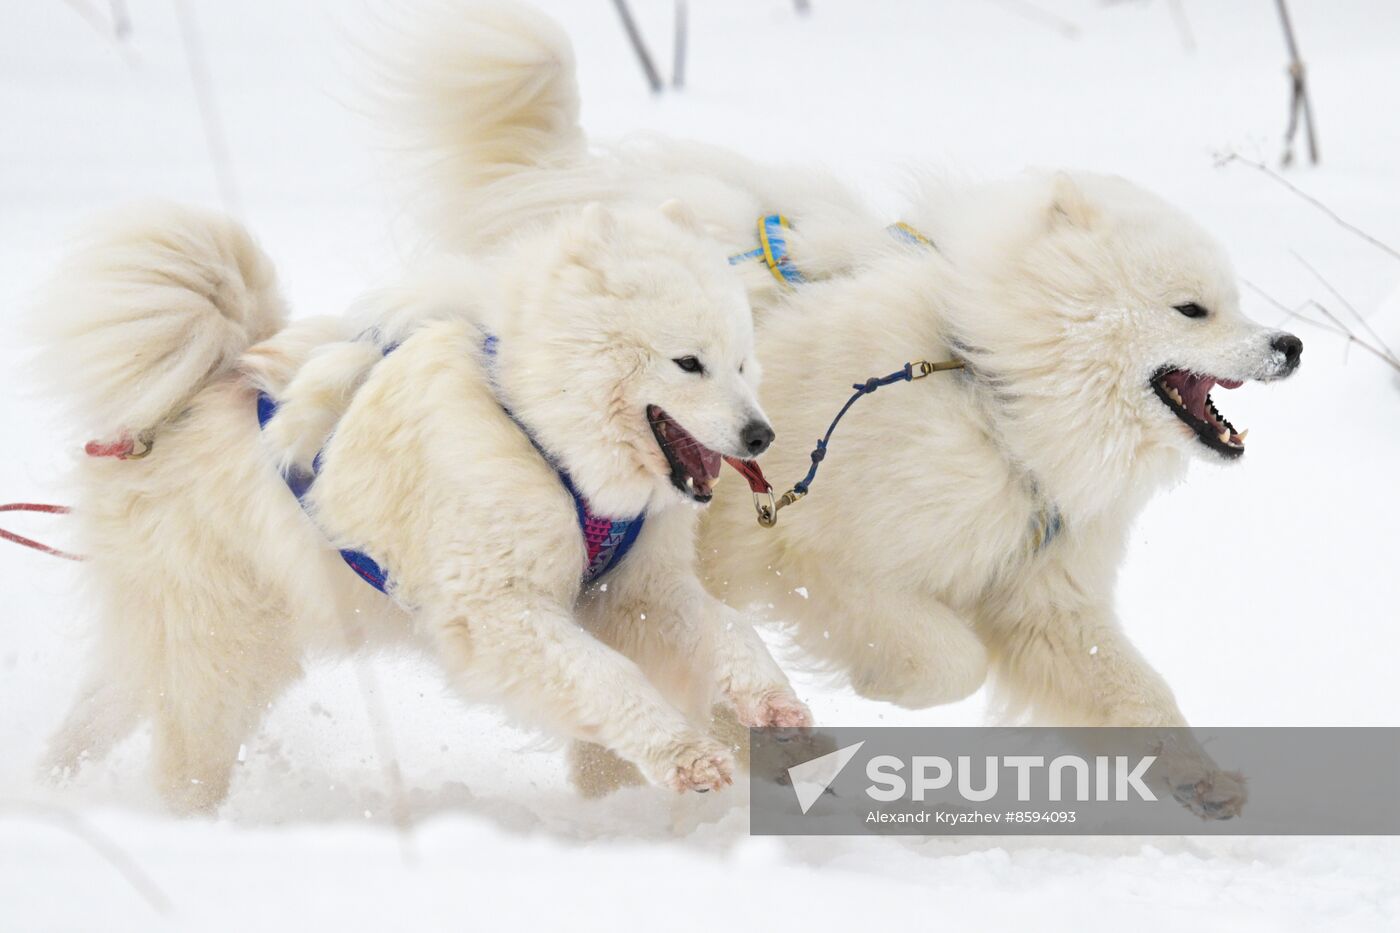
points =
(777, 709)
(701, 765)
(1215, 795)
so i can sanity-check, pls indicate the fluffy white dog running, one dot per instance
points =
(597, 369)
(967, 525)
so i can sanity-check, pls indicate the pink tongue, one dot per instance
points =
(1194, 392)
(1229, 383)
(702, 462)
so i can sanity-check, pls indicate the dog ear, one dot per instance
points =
(1069, 206)
(682, 216)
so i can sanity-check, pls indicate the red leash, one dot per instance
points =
(30, 542)
(749, 470)
(763, 500)
(124, 447)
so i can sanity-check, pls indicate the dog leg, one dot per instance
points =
(1066, 661)
(696, 651)
(533, 656)
(221, 658)
(201, 720)
(896, 646)
(204, 714)
(1070, 663)
(103, 714)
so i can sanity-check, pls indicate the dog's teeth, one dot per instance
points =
(1224, 437)
(1239, 438)
(1174, 395)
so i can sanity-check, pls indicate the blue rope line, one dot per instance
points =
(862, 389)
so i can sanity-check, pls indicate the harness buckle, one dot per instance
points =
(922, 369)
(137, 453)
(768, 510)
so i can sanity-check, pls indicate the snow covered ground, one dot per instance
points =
(1266, 593)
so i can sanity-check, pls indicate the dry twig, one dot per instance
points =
(209, 115)
(111, 853)
(116, 30)
(634, 36)
(678, 49)
(1183, 26)
(1300, 106)
(1380, 342)
(1336, 326)
(1350, 227)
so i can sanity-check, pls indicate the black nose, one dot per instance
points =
(756, 437)
(1291, 348)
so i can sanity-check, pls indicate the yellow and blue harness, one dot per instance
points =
(772, 248)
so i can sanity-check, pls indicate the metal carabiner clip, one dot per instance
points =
(766, 505)
(768, 510)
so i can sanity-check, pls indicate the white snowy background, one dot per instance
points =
(1267, 593)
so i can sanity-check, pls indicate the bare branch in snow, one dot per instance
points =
(1348, 305)
(121, 19)
(1183, 26)
(1300, 106)
(1261, 167)
(678, 50)
(111, 853)
(114, 30)
(638, 46)
(215, 139)
(92, 17)
(1336, 326)
(384, 746)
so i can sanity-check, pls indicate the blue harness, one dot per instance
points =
(606, 540)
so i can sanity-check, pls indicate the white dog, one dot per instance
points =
(969, 524)
(510, 431)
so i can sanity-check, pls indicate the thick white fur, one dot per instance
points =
(479, 96)
(129, 309)
(213, 584)
(911, 555)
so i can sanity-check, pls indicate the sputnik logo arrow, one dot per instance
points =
(811, 778)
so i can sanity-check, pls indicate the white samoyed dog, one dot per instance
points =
(968, 525)
(470, 457)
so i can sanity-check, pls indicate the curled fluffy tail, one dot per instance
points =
(481, 94)
(153, 305)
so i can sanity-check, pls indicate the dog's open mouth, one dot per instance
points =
(694, 467)
(1187, 394)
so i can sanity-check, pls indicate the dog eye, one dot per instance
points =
(689, 364)
(1191, 309)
